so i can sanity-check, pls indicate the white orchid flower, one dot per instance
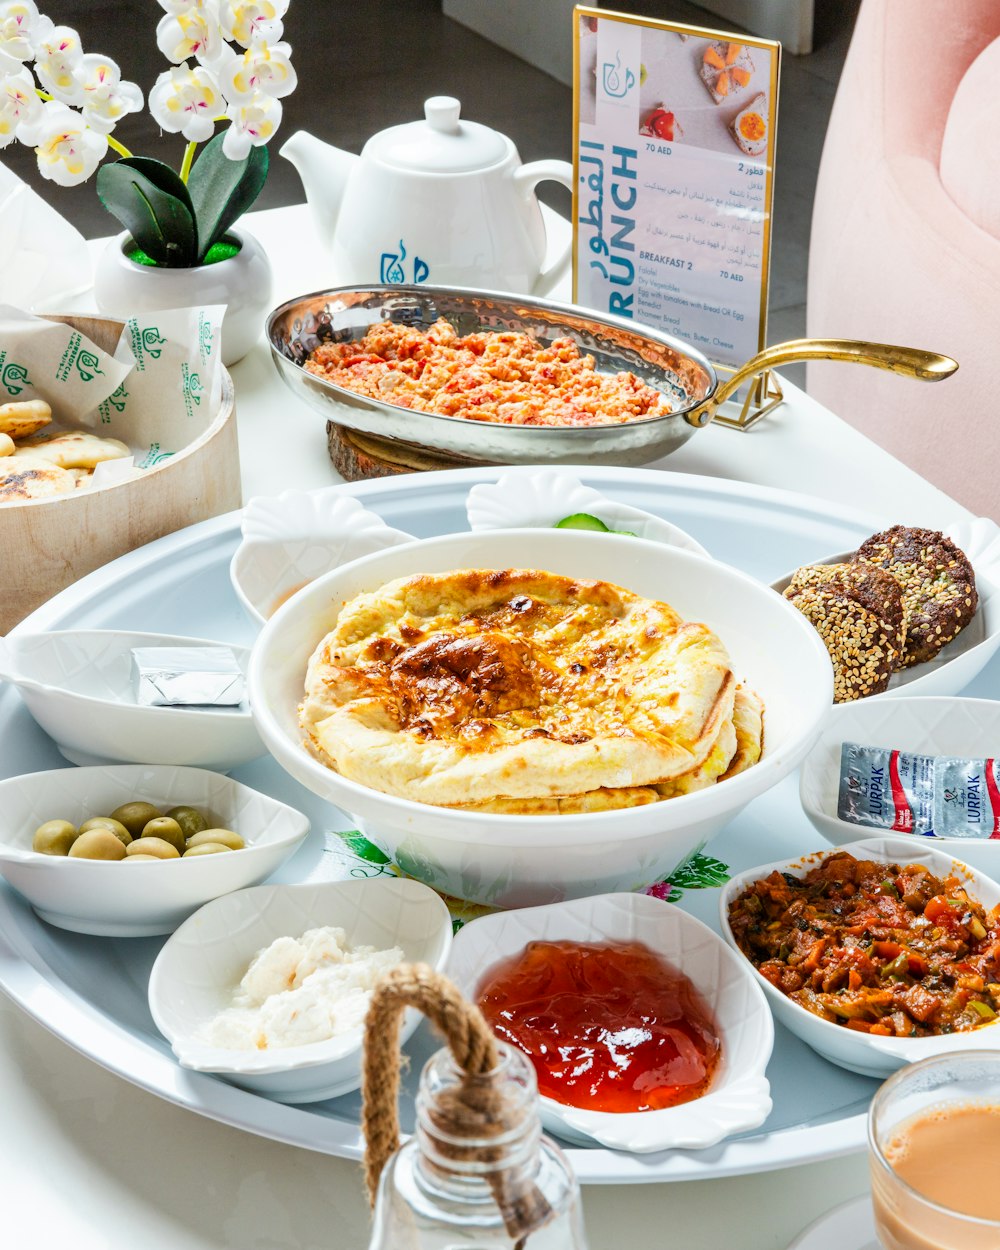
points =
(20, 107)
(253, 122)
(106, 99)
(57, 58)
(21, 28)
(182, 6)
(187, 99)
(247, 21)
(263, 67)
(68, 150)
(193, 31)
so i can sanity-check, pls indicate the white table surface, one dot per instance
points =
(89, 1162)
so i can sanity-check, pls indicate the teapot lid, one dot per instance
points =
(440, 144)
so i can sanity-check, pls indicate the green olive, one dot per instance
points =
(206, 848)
(136, 859)
(135, 816)
(153, 846)
(167, 829)
(107, 822)
(55, 837)
(98, 843)
(190, 820)
(225, 837)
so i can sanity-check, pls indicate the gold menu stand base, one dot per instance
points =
(764, 395)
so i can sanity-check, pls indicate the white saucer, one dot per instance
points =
(847, 1227)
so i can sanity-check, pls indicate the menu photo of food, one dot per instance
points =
(709, 93)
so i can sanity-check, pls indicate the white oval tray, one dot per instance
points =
(181, 584)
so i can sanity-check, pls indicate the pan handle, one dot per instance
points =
(908, 362)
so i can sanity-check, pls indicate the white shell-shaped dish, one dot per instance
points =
(115, 899)
(968, 728)
(963, 660)
(198, 970)
(530, 498)
(739, 1098)
(291, 538)
(860, 1052)
(78, 687)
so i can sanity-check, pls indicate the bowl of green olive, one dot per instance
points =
(132, 850)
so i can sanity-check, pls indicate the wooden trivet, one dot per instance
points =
(357, 457)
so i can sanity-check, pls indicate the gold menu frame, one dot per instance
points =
(765, 394)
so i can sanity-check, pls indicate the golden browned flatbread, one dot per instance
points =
(748, 721)
(24, 417)
(36, 483)
(75, 449)
(476, 685)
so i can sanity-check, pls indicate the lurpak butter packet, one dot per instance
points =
(936, 796)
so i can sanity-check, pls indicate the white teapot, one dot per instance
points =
(441, 200)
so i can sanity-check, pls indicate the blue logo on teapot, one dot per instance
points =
(392, 269)
(615, 83)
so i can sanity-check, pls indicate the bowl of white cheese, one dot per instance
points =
(269, 987)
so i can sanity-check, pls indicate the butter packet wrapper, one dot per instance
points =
(41, 359)
(935, 796)
(186, 677)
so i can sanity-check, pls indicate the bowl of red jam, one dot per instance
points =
(645, 1030)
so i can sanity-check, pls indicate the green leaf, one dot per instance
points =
(154, 206)
(222, 190)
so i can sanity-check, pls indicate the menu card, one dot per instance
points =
(674, 155)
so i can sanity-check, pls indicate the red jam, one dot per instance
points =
(608, 1026)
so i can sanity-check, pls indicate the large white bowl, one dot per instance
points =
(77, 685)
(117, 899)
(198, 970)
(525, 860)
(861, 1052)
(739, 1098)
(928, 726)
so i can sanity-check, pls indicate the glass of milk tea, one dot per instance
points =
(934, 1149)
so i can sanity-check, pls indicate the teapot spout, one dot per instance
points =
(324, 170)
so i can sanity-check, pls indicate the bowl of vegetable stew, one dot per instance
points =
(875, 955)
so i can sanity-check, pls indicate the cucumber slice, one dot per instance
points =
(581, 521)
(584, 521)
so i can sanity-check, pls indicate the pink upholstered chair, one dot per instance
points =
(906, 236)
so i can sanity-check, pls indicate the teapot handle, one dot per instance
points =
(526, 179)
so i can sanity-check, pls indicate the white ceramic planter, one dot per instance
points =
(243, 282)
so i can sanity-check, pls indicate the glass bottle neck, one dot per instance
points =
(477, 1174)
(477, 1136)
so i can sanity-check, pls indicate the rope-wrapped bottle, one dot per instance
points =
(477, 1173)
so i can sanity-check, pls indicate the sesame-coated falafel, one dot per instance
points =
(863, 644)
(937, 581)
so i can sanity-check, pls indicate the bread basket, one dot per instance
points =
(49, 543)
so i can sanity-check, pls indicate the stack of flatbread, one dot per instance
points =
(524, 692)
(36, 465)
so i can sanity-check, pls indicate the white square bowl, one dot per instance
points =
(77, 684)
(115, 899)
(861, 1052)
(198, 970)
(739, 1098)
(928, 726)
